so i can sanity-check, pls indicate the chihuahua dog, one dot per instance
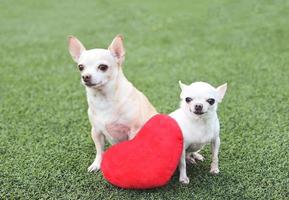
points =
(198, 120)
(116, 109)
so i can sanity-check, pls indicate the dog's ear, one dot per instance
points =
(75, 48)
(182, 86)
(117, 49)
(221, 92)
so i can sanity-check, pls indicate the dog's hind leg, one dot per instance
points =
(193, 156)
(190, 158)
(198, 156)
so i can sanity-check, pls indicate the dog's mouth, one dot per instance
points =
(90, 84)
(199, 112)
(93, 84)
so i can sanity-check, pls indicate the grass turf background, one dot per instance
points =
(45, 140)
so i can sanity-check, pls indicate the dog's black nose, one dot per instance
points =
(86, 78)
(198, 107)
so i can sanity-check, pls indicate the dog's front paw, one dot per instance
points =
(214, 170)
(95, 166)
(184, 180)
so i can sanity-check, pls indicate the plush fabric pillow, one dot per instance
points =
(147, 161)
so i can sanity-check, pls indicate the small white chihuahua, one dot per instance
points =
(117, 110)
(198, 120)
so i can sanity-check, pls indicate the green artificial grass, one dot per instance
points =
(45, 143)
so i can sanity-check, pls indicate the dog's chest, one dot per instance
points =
(118, 131)
(108, 117)
(198, 134)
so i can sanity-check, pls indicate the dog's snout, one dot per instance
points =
(198, 107)
(86, 78)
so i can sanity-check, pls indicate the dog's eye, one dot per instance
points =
(188, 99)
(211, 101)
(80, 67)
(102, 67)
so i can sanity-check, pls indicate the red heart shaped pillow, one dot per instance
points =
(147, 161)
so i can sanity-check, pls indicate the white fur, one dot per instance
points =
(199, 130)
(117, 110)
